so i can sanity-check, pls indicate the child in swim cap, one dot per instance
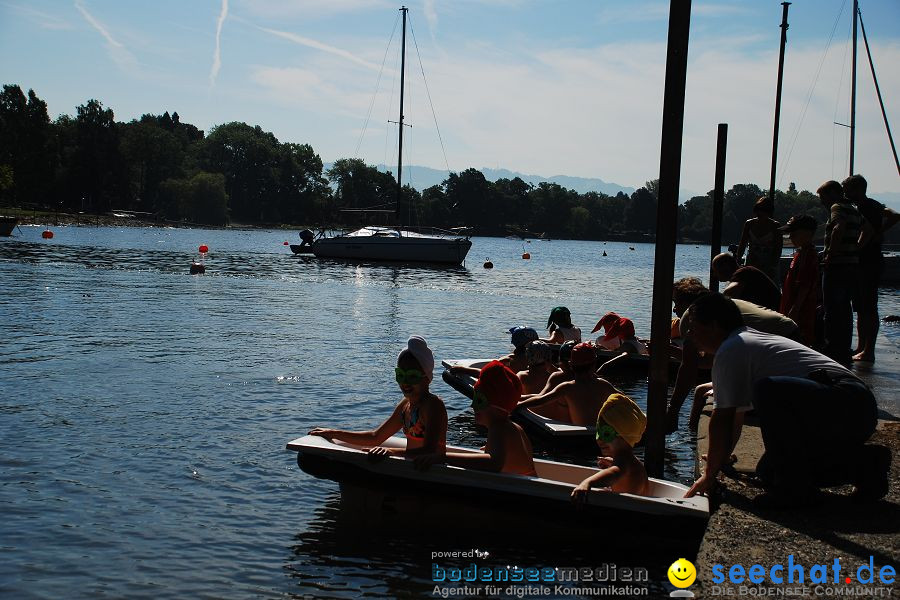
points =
(508, 449)
(620, 425)
(540, 367)
(519, 337)
(420, 414)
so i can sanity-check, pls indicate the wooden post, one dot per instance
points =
(666, 230)
(715, 242)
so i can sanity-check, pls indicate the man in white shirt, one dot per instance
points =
(815, 415)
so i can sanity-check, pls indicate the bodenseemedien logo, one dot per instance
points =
(682, 574)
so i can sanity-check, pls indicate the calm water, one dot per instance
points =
(145, 411)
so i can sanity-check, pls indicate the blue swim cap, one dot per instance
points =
(565, 351)
(522, 335)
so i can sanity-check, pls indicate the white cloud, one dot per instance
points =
(311, 43)
(283, 9)
(118, 52)
(43, 20)
(217, 54)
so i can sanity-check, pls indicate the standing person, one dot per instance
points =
(762, 239)
(840, 269)
(420, 414)
(559, 324)
(871, 264)
(815, 415)
(800, 298)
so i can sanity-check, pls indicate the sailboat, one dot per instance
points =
(396, 244)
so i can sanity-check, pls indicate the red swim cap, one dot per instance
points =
(605, 321)
(499, 385)
(583, 354)
(623, 329)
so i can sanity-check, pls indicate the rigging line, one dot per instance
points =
(428, 93)
(377, 86)
(878, 91)
(387, 130)
(796, 133)
(837, 99)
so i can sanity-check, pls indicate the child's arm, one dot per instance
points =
(604, 478)
(458, 369)
(372, 437)
(544, 397)
(745, 237)
(547, 388)
(685, 381)
(481, 461)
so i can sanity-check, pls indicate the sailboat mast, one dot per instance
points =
(403, 9)
(784, 28)
(853, 88)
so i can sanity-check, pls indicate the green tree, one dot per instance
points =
(248, 158)
(98, 169)
(24, 145)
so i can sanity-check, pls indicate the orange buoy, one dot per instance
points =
(47, 234)
(197, 269)
(526, 256)
(203, 249)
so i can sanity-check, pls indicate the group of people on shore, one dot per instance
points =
(759, 342)
(820, 294)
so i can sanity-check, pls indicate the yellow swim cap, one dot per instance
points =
(624, 416)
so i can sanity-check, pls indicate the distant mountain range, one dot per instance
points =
(422, 178)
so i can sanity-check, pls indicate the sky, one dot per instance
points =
(543, 87)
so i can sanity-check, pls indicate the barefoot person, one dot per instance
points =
(871, 264)
(420, 414)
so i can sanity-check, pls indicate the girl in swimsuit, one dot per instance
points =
(420, 414)
(763, 240)
(560, 327)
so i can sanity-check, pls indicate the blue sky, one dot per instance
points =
(543, 87)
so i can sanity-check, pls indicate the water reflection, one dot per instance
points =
(378, 542)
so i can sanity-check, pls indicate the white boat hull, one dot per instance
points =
(394, 249)
(547, 497)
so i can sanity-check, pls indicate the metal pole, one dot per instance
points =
(878, 91)
(853, 90)
(666, 225)
(400, 148)
(784, 28)
(715, 243)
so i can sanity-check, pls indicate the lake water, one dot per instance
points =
(145, 410)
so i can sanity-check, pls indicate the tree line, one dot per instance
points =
(238, 173)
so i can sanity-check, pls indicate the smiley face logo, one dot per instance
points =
(682, 573)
